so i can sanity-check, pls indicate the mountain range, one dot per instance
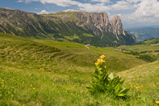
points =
(145, 33)
(94, 28)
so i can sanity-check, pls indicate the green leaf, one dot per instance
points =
(121, 95)
(111, 76)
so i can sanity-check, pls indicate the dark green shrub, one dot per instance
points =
(148, 58)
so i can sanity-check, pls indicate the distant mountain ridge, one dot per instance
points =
(82, 27)
(145, 33)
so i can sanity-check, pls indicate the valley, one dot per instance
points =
(145, 33)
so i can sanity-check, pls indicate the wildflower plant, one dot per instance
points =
(104, 83)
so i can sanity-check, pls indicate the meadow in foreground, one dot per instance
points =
(38, 87)
(40, 74)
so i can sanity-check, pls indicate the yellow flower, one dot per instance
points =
(97, 63)
(134, 86)
(130, 83)
(31, 85)
(157, 102)
(102, 56)
(100, 69)
(138, 86)
(33, 88)
(101, 61)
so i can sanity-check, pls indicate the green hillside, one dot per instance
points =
(46, 72)
(144, 81)
(47, 54)
(145, 50)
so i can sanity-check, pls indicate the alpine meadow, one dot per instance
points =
(74, 58)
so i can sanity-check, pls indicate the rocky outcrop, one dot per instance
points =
(116, 26)
(100, 22)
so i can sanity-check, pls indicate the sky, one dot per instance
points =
(133, 13)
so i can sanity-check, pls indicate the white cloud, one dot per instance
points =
(20, 1)
(146, 13)
(62, 3)
(123, 5)
(91, 8)
(147, 8)
(104, 1)
(27, 1)
(120, 5)
(43, 12)
(133, 1)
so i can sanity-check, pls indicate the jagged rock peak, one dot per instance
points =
(101, 21)
(117, 26)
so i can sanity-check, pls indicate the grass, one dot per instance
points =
(144, 81)
(149, 45)
(43, 72)
(115, 60)
(38, 87)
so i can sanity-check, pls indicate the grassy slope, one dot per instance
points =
(143, 46)
(55, 89)
(57, 73)
(116, 61)
(144, 80)
(149, 47)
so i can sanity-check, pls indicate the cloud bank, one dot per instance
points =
(147, 11)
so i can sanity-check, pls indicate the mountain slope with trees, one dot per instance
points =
(81, 27)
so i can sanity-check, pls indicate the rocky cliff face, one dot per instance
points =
(116, 26)
(82, 27)
(100, 22)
